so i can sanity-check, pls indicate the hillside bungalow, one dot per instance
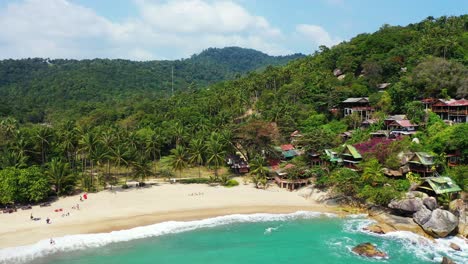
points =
(439, 185)
(359, 105)
(453, 110)
(295, 136)
(291, 184)
(333, 157)
(453, 158)
(381, 87)
(402, 125)
(351, 157)
(237, 164)
(288, 151)
(316, 159)
(422, 163)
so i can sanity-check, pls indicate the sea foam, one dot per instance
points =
(424, 248)
(77, 242)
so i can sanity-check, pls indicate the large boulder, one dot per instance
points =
(381, 228)
(457, 207)
(408, 205)
(441, 223)
(422, 216)
(447, 260)
(430, 203)
(369, 250)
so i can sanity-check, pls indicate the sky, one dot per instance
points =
(173, 29)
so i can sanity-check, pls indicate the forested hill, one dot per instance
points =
(31, 87)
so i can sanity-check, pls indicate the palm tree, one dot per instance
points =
(141, 168)
(58, 173)
(216, 153)
(258, 170)
(372, 172)
(197, 152)
(44, 135)
(179, 159)
(88, 143)
(120, 156)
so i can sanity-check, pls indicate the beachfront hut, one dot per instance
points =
(439, 185)
(283, 181)
(351, 157)
(422, 163)
(237, 164)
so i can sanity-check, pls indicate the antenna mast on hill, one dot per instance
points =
(172, 82)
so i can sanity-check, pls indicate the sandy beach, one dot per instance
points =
(107, 211)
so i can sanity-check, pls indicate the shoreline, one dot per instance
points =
(108, 211)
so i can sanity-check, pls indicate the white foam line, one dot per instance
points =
(76, 242)
(422, 247)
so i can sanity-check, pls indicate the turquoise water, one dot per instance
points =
(295, 238)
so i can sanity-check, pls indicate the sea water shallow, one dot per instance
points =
(301, 237)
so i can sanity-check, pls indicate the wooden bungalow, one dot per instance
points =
(333, 157)
(359, 105)
(315, 158)
(421, 163)
(453, 158)
(439, 185)
(237, 164)
(291, 184)
(452, 110)
(379, 134)
(402, 125)
(351, 157)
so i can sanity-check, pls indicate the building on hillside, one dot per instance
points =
(288, 151)
(452, 110)
(439, 185)
(402, 125)
(392, 118)
(295, 137)
(351, 157)
(453, 158)
(379, 134)
(237, 164)
(359, 105)
(316, 158)
(428, 102)
(369, 122)
(333, 157)
(421, 163)
(283, 182)
(383, 86)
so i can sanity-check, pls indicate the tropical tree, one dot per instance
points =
(197, 151)
(258, 171)
(178, 159)
(372, 172)
(215, 153)
(59, 175)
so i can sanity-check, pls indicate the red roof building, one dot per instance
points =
(453, 110)
(287, 147)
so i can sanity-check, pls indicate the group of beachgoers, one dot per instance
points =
(49, 221)
(195, 194)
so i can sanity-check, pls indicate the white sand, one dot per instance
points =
(122, 209)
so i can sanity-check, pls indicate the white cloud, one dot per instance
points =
(162, 29)
(316, 35)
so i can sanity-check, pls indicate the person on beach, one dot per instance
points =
(31, 217)
(52, 242)
(81, 198)
(48, 220)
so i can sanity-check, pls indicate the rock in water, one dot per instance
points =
(422, 216)
(441, 223)
(447, 260)
(455, 247)
(411, 205)
(369, 250)
(430, 203)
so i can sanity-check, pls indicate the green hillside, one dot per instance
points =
(30, 88)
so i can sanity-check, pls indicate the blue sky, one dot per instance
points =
(171, 29)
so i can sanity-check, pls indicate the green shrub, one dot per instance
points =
(380, 195)
(125, 186)
(401, 185)
(231, 183)
(194, 180)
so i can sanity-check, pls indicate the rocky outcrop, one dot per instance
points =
(455, 247)
(422, 216)
(381, 228)
(447, 260)
(369, 250)
(440, 224)
(430, 203)
(407, 206)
